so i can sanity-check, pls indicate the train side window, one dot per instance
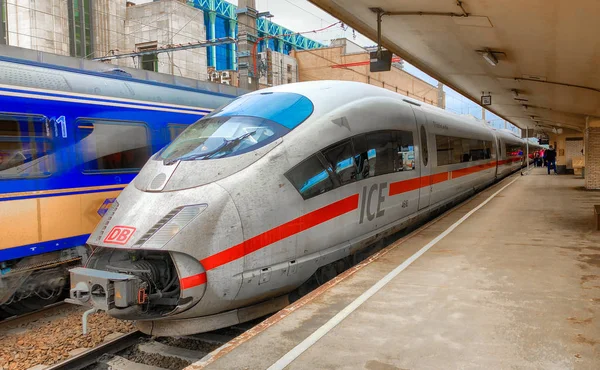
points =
(340, 158)
(310, 178)
(382, 151)
(476, 149)
(513, 150)
(25, 146)
(405, 151)
(444, 151)
(175, 129)
(112, 146)
(362, 157)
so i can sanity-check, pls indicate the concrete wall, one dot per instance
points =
(109, 26)
(592, 153)
(317, 64)
(168, 22)
(559, 141)
(40, 25)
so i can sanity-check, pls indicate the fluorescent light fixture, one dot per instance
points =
(490, 57)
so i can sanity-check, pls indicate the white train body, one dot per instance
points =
(201, 241)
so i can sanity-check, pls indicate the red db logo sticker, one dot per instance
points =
(119, 235)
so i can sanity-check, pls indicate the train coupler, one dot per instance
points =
(104, 290)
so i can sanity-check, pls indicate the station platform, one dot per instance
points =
(507, 280)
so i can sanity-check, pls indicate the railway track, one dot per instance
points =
(139, 351)
(33, 315)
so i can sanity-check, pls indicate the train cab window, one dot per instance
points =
(175, 129)
(112, 146)
(244, 125)
(25, 146)
(340, 158)
(310, 177)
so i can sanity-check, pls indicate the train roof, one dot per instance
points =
(28, 68)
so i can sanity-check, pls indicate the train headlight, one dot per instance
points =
(165, 229)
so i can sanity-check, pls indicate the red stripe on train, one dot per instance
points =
(315, 218)
(192, 281)
(278, 233)
(274, 235)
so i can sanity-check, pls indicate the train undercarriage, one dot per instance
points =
(31, 283)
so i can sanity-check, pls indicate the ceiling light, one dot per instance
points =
(524, 106)
(515, 93)
(490, 57)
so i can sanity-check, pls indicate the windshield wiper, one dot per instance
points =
(206, 155)
(228, 143)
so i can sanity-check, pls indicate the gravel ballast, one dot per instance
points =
(48, 340)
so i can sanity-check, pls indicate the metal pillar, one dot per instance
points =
(212, 17)
(279, 44)
(246, 40)
(527, 144)
(232, 47)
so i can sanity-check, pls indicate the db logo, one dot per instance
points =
(119, 235)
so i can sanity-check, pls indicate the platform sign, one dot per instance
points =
(105, 206)
(486, 100)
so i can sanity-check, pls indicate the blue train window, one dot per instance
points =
(175, 129)
(25, 146)
(107, 146)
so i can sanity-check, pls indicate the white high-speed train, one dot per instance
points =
(251, 201)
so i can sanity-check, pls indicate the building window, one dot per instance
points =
(3, 24)
(80, 28)
(148, 62)
(289, 68)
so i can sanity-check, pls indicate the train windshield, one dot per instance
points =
(246, 124)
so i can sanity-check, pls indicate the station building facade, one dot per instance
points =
(98, 28)
(345, 60)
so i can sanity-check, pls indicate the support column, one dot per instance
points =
(246, 41)
(279, 45)
(212, 17)
(232, 47)
(592, 152)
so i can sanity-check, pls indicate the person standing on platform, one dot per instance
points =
(550, 158)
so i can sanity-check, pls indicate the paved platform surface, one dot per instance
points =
(515, 286)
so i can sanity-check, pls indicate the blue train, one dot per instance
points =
(70, 141)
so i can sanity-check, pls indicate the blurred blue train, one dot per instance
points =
(70, 141)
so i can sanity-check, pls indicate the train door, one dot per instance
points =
(424, 162)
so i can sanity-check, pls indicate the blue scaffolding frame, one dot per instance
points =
(220, 19)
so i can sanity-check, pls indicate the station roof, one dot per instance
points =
(551, 51)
